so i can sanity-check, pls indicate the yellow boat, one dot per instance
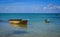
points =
(18, 22)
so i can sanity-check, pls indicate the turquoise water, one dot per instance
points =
(36, 25)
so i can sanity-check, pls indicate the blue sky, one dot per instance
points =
(29, 6)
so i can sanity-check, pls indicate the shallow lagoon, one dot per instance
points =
(36, 25)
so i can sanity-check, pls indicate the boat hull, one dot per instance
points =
(18, 23)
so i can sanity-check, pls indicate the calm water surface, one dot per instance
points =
(36, 25)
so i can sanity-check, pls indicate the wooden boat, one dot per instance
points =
(18, 22)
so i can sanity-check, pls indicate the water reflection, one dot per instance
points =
(19, 32)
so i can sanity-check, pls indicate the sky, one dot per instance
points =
(29, 6)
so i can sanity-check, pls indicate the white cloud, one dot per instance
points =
(29, 8)
(51, 7)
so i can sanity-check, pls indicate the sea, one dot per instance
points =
(36, 26)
